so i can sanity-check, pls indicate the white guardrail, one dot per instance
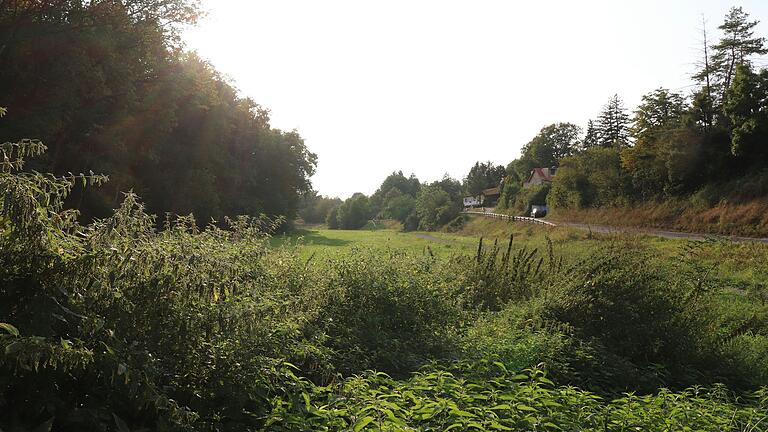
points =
(511, 218)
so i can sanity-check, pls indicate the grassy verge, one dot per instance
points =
(748, 219)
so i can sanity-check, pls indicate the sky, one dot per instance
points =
(430, 87)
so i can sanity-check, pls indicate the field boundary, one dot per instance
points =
(511, 218)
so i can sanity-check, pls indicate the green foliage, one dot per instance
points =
(487, 396)
(435, 207)
(404, 199)
(612, 128)
(590, 178)
(387, 310)
(530, 196)
(548, 147)
(735, 48)
(482, 175)
(332, 218)
(117, 325)
(353, 213)
(116, 321)
(509, 190)
(399, 207)
(315, 208)
(105, 85)
(679, 146)
(395, 185)
(746, 106)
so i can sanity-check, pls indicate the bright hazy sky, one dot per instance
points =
(430, 87)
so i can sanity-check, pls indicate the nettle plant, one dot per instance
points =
(116, 323)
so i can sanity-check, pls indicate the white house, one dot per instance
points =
(472, 201)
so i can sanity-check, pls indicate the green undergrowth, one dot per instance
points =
(487, 396)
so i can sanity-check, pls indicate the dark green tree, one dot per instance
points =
(613, 124)
(354, 212)
(483, 175)
(735, 48)
(435, 207)
(746, 106)
(551, 144)
(314, 208)
(400, 207)
(332, 218)
(590, 137)
(396, 181)
(654, 126)
(591, 178)
(107, 87)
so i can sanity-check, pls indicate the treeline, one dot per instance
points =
(416, 205)
(107, 86)
(707, 146)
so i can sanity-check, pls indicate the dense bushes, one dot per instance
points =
(389, 311)
(592, 178)
(353, 213)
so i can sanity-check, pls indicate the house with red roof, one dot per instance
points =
(539, 176)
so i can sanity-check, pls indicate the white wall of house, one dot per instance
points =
(472, 201)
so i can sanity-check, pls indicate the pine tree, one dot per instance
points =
(721, 60)
(590, 138)
(612, 124)
(736, 46)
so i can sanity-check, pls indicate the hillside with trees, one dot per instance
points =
(694, 162)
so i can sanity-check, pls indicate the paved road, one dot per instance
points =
(657, 232)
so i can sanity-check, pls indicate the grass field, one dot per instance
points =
(325, 242)
(737, 264)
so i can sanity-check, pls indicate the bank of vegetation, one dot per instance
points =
(117, 325)
(687, 161)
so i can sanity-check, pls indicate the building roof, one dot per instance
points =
(541, 173)
(492, 191)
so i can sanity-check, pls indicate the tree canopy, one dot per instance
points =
(108, 88)
(483, 175)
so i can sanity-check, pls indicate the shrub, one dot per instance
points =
(389, 313)
(354, 212)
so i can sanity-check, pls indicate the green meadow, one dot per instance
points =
(738, 265)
